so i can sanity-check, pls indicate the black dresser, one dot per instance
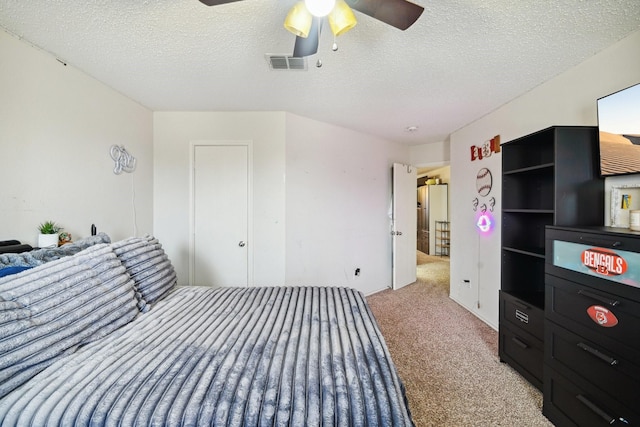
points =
(592, 326)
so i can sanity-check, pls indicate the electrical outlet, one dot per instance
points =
(357, 272)
(466, 283)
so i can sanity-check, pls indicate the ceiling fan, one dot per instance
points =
(305, 18)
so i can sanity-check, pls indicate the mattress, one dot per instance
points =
(268, 356)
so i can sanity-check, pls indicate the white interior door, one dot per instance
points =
(404, 225)
(220, 221)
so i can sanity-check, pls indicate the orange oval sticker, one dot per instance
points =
(604, 262)
(602, 316)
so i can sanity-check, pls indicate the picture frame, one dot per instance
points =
(630, 194)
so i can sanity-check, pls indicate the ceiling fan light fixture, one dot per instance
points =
(320, 8)
(298, 20)
(341, 18)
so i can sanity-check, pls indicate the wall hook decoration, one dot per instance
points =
(124, 161)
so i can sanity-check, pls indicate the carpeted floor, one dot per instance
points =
(448, 358)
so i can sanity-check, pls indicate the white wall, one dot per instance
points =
(475, 257)
(57, 127)
(568, 99)
(173, 133)
(321, 196)
(338, 195)
(430, 155)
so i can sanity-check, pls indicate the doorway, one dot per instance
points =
(433, 227)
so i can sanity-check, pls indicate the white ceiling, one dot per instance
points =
(459, 61)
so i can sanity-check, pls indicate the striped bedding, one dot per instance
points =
(49, 311)
(269, 356)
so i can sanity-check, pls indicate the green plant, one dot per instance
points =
(49, 227)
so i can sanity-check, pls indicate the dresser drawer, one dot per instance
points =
(523, 352)
(522, 314)
(602, 366)
(603, 313)
(576, 403)
(608, 260)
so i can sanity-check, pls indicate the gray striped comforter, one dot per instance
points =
(272, 356)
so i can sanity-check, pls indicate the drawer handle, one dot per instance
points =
(604, 300)
(610, 360)
(589, 404)
(520, 342)
(604, 243)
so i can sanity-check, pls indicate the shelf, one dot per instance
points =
(533, 190)
(529, 211)
(534, 298)
(525, 231)
(529, 169)
(536, 252)
(531, 151)
(522, 272)
(443, 239)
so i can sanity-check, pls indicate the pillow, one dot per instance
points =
(15, 249)
(52, 309)
(149, 267)
(7, 271)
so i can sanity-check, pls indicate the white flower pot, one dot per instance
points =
(47, 240)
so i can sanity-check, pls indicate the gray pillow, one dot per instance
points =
(149, 267)
(50, 310)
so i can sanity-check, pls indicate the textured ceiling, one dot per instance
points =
(459, 61)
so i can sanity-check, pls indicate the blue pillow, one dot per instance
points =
(12, 270)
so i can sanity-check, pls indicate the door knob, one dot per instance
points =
(241, 244)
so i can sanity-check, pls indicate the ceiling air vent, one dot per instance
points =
(286, 62)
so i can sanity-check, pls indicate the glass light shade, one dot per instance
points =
(319, 7)
(341, 18)
(298, 20)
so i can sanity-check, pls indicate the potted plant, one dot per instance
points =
(48, 237)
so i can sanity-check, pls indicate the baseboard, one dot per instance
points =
(470, 309)
(368, 294)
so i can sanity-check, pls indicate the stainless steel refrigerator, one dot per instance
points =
(432, 206)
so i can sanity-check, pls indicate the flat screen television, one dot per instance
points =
(619, 132)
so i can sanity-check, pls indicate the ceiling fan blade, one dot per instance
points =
(217, 2)
(398, 13)
(309, 45)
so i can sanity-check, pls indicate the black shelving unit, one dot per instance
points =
(443, 238)
(550, 177)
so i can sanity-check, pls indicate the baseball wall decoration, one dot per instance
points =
(484, 182)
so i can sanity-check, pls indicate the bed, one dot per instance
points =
(105, 337)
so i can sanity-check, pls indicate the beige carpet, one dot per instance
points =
(448, 358)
